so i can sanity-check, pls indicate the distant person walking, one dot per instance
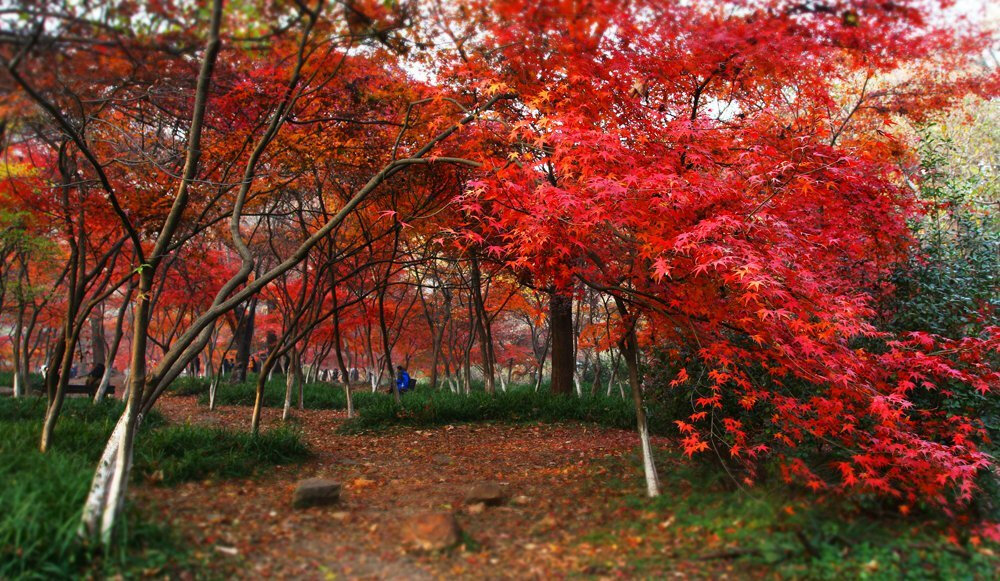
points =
(402, 379)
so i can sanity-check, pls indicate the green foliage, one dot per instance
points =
(784, 532)
(7, 379)
(315, 396)
(951, 284)
(42, 494)
(189, 385)
(185, 453)
(520, 404)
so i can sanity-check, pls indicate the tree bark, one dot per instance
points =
(630, 350)
(482, 328)
(98, 343)
(112, 352)
(291, 379)
(562, 335)
(244, 341)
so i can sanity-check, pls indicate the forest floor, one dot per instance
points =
(567, 483)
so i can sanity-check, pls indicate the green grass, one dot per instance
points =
(185, 453)
(41, 495)
(188, 385)
(427, 408)
(520, 404)
(316, 395)
(783, 532)
(7, 378)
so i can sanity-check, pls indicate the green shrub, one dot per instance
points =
(42, 494)
(315, 396)
(522, 404)
(189, 385)
(7, 379)
(185, 453)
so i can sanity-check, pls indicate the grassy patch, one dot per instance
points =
(521, 404)
(315, 396)
(188, 385)
(704, 521)
(41, 495)
(7, 379)
(184, 453)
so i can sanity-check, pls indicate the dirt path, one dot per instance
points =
(387, 477)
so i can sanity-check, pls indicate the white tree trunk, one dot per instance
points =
(19, 383)
(107, 490)
(289, 388)
(102, 389)
(350, 401)
(648, 464)
(212, 388)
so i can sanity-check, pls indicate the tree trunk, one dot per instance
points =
(107, 491)
(258, 401)
(98, 343)
(561, 332)
(112, 352)
(244, 341)
(598, 371)
(482, 328)
(302, 385)
(631, 352)
(57, 389)
(20, 373)
(291, 378)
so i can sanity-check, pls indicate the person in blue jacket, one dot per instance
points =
(402, 379)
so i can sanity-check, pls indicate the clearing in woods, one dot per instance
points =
(560, 481)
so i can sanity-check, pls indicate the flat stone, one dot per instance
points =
(430, 531)
(521, 500)
(475, 508)
(488, 493)
(316, 492)
(545, 525)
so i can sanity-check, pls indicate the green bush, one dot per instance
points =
(189, 385)
(42, 494)
(7, 378)
(315, 396)
(186, 452)
(521, 404)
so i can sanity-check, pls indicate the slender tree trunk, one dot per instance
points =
(436, 356)
(386, 344)
(598, 371)
(59, 393)
(482, 328)
(630, 350)
(244, 341)
(339, 351)
(20, 373)
(107, 491)
(109, 358)
(258, 402)
(291, 377)
(302, 385)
